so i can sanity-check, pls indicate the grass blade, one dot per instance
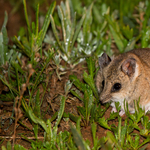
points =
(56, 35)
(117, 39)
(37, 21)
(77, 138)
(87, 24)
(1, 49)
(89, 80)
(81, 86)
(61, 110)
(45, 24)
(91, 66)
(113, 140)
(37, 120)
(121, 42)
(5, 37)
(72, 31)
(76, 94)
(61, 16)
(26, 17)
(94, 126)
(22, 48)
(78, 28)
(104, 123)
(78, 125)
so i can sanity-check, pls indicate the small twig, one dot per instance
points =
(11, 137)
(17, 109)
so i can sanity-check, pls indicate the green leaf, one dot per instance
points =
(91, 66)
(77, 83)
(117, 39)
(68, 86)
(45, 24)
(112, 140)
(144, 132)
(37, 107)
(145, 141)
(82, 111)
(61, 110)
(88, 102)
(139, 112)
(131, 44)
(137, 140)
(2, 61)
(117, 105)
(26, 44)
(143, 147)
(78, 125)
(56, 35)
(73, 117)
(19, 147)
(9, 145)
(87, 24)
(94, 127)
(89, 79)
(18, 67)
(118, 136)
(37, 21)
(127, 32)
(78, 28)
(123, 134)
(113, 115)
(77, 138)
(144, 121)
(94, 112)
(146, 15)
(49, 135)
(120, 41)
(76, 93)
(54, 116)
(72, 32)
(103, 123)
(5, 38)
(37, 120)
(22, 48)
(26, 17)
(61, 16)
(3, 147)
(145, 37)
(35, 129)
(37, 79)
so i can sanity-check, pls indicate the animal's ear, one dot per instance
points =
(104, 60)
(129, 66)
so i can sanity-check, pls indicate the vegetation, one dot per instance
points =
(70, 35)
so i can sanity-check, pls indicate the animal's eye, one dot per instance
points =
(116, 87)
(103, 82)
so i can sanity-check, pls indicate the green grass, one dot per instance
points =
(77, 34)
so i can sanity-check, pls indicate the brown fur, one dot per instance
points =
(132, 71)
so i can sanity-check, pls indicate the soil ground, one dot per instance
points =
(52, 100)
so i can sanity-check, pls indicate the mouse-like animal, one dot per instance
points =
(125, 77)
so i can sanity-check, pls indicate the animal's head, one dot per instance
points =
(116, 77)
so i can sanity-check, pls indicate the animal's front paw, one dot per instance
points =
(147, 108)
(121, 113)
(114, 109)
